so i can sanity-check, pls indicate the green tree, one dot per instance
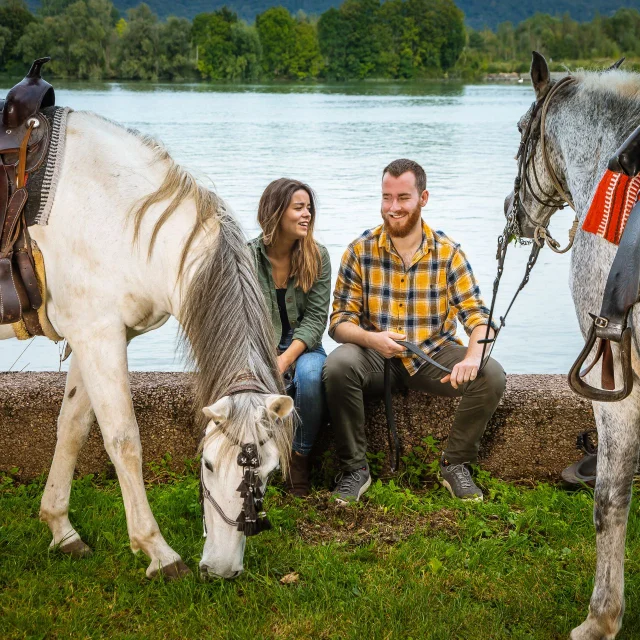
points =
(15, 17)
(277, 32)
(80, 41)
(247, 50)
(53, 7)
(138, 51)
(307, 60)
(213, 36)
(333, 40)
(175, 49)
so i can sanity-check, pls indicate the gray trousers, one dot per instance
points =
(350, 372)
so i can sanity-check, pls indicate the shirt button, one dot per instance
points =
(402, 280)
(288, 299)
(401, 304)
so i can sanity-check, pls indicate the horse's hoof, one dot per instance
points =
(171, 571)
(76, 549)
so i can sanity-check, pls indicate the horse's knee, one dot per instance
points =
(125, 451)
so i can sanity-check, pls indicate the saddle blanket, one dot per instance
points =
(42, 184)
(610, 208)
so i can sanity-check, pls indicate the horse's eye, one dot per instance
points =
(208, 465)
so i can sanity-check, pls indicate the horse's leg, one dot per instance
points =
(74, 424)
(102, 357)
(618, 441)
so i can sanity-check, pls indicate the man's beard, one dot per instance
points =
(402, 228)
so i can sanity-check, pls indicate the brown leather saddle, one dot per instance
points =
(621, 293)
(24, 142)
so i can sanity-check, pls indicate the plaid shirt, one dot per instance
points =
(376, 292)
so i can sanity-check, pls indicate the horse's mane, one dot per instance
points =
(226, 329)
(224, 313)
(622, 83)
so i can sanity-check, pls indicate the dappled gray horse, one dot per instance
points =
(586, 120)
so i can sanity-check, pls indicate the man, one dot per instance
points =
(405, 281)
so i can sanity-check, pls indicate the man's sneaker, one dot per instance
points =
(457, 479)
(350, 485)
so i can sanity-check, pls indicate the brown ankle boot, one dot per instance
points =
(298, 480)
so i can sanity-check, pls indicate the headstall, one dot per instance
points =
(252, 519)
(523, 183)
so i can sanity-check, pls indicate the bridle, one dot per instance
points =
(534, 133)
(252, 519)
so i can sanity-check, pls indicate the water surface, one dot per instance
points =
(338, 138)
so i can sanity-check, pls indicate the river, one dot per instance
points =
(338, 138)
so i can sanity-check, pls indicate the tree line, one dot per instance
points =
(562, 40)
(89, 39)
(396, 39)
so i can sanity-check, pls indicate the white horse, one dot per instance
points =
(587, 120)
(133, 239)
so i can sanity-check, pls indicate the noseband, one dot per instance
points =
(252, 520)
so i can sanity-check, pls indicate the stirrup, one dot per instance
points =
(576, 374)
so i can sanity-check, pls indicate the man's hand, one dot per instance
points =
(464, 371)
(384, 342)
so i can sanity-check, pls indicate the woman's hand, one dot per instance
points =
(283, 363)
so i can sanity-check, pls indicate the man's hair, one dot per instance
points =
(402, 165)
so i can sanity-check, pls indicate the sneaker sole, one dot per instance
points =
(447, 486)
(343, 503)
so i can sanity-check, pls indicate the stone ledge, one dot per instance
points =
(531, 436)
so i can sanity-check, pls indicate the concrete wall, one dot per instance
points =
(531, 436)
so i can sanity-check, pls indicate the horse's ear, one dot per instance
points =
(218, 411)
(540, 75)
(616, 65)
(282, 406)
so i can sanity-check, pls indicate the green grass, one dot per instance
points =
(404, 564)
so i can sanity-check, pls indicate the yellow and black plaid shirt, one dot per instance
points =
(376, 292)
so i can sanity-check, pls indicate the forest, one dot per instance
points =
(359, 40)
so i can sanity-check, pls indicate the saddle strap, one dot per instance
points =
(24, 261)
(11, 226)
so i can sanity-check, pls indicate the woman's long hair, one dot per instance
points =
(305, 258)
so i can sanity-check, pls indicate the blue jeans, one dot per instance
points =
(309, 398)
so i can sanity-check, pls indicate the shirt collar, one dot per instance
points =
(427, 244)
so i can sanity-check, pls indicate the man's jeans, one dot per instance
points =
(351, 372)
(309, 398)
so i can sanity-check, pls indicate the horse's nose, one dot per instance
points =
(207, 573)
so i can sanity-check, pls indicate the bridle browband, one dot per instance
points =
(251, 520)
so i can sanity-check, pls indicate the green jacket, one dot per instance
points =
(307, 312)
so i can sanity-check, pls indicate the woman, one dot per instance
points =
(295, 276)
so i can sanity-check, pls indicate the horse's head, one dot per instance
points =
(243, 443)
(540, 187)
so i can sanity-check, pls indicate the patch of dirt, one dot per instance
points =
(363, 523)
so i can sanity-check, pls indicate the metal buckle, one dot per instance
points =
(601, 322)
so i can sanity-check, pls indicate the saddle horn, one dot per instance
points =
(616, 65)
(36, 67)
